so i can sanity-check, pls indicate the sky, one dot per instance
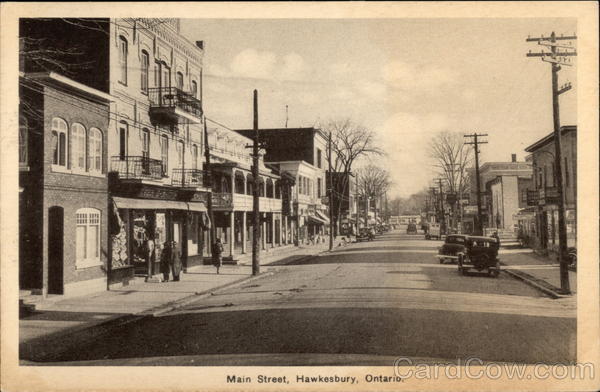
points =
(405, 79)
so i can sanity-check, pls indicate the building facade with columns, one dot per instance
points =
(232, 195)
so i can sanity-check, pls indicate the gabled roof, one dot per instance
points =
(549, 138)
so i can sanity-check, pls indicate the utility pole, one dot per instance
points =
(557, 58)
(208, 184)
(255, 193)
(443, 214)
(330, 193)
(476, 144)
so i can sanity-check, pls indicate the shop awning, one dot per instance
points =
(323, 217)
(149, 204)
(315, 220)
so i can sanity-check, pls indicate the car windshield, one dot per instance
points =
(455, 240)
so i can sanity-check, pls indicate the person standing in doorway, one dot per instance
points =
(217, 254)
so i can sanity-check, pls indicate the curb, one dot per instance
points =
(87, 333)
(533, 282)
(162, 309)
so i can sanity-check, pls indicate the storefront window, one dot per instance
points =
(87, 237)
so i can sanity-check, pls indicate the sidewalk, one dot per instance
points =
(67, 322)
(541, 272)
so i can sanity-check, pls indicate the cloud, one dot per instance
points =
(372, 89)
(410, 77)
(252, 63)
(256, 64)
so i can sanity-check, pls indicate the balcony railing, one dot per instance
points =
(171, 97)
(137, 168)
(189, 177)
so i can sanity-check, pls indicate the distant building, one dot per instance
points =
(301, 152)
(544, 198)
(487, 172)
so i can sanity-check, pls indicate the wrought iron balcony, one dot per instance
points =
(189, 178)
(137, 168)
(169, 103)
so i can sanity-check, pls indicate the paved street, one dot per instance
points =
(366, 303)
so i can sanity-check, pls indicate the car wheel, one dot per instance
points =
(441, 261)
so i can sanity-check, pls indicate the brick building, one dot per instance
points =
(153, 139)
(544, 198)
(63, 215)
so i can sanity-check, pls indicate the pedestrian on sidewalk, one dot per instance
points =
(217, 254)
(165, 260)
(175, 261)
(150, 256)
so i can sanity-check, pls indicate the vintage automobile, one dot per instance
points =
(411, 228)
(365, 234)
(433, 231)
(454, 245)
(480, 253)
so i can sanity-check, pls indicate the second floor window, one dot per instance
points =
(319, 162)
(194, 88)
(566, 172)
(319, 186)
(95, 151)
(145, 62)
(123, 60)
(122, 141)
(59, 142)
(180, 154)
(145, 143)
(164, 154)
(195, 157)
(78, 147)
(180, 80)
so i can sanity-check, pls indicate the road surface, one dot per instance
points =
(364, 304)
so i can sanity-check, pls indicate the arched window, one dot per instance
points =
(123, 50)
(145, 63)
(270, 190)
(194, 88)
(179, 80)
(87, 237)
(59, 141)
(78, 144)
(95, 151)
(194, 157)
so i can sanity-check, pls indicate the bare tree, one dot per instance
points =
(452, 158)
(372, 183)
(349, 141)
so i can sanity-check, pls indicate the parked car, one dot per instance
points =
(480, 253)
(433, 231)
(365, 234)
(411, 228)
(453, 246)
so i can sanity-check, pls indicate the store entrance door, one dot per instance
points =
(55, 250)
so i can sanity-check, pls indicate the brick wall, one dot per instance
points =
(74, 191)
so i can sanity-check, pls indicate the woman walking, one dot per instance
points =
(217, 252)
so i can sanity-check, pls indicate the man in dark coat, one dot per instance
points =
(217, 253)
(175, 261)
(165, 260)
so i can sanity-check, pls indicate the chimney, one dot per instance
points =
(513, 157)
